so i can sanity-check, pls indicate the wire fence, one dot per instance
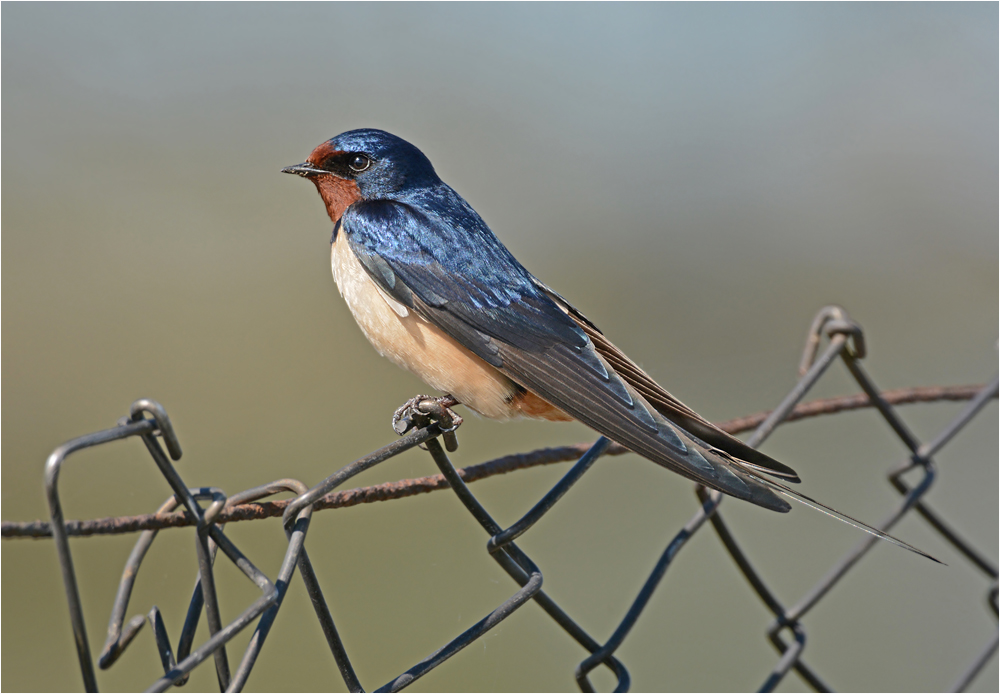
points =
(432, 424)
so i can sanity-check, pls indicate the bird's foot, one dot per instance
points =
(421, 410)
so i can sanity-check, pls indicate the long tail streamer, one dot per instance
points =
(843, 517)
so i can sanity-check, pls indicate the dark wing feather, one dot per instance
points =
(669, 406)
(558, 376)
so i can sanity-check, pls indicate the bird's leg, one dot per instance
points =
(420, 410)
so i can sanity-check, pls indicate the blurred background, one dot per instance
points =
(698, 179)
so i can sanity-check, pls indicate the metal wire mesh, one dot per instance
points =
(787, 633)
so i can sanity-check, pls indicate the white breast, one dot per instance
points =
(418, 346)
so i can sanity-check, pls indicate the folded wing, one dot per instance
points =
(483, 298)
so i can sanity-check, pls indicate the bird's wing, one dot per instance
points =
(483, 298)
(465, 281)
(669, 406)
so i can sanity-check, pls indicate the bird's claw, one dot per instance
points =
(421, 410)
(403, 419)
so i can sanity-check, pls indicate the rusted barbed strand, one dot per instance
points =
(472, 473)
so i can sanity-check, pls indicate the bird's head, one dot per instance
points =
(362, 165)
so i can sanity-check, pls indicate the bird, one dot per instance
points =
(436, 292)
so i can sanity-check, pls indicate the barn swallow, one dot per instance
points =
(435, 291)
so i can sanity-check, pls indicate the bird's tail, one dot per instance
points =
(843, 517)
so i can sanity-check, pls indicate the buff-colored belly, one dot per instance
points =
(418, 346)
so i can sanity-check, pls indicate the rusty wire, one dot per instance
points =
(233, 513)
(430, 419)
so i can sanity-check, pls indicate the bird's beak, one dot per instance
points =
(304, 169)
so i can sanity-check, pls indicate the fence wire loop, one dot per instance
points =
(831, 320)
(421, 422)
(163, 426)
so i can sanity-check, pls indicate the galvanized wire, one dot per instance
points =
(429, 420)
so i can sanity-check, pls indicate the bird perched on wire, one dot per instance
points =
(436, 292)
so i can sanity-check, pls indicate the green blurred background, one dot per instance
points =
(698, 179)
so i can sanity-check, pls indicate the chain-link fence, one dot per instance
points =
(912, 478)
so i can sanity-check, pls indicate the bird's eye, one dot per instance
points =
(360, 162)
